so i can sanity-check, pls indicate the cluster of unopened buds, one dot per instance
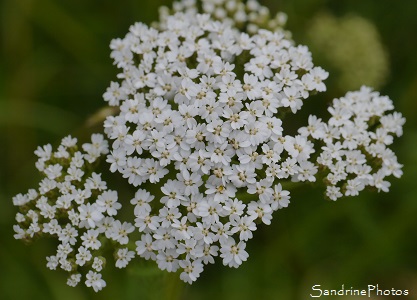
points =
(200, 135)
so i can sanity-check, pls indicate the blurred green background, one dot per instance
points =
(55, 66)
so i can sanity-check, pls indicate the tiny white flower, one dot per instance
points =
(74, 279)
(124, 256)
(90, 239)
(233, 253)
(120, 232)
(94, 280)
(108, 200)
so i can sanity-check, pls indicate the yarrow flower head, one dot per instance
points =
(74, 205)
(200, 122)
(199, 133)
(355, 142)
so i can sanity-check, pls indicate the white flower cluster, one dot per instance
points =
(198, 132)
(199, 129)
(355, 138)
(248, 15)
(74, 205)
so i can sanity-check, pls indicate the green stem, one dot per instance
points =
(289, 185)
(146, 281)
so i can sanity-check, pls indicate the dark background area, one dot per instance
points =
(54, 68)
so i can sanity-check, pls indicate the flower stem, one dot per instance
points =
(147, 281)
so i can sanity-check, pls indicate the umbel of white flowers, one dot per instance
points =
(199, 133)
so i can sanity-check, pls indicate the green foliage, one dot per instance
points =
(351, 47)
(54, 68)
